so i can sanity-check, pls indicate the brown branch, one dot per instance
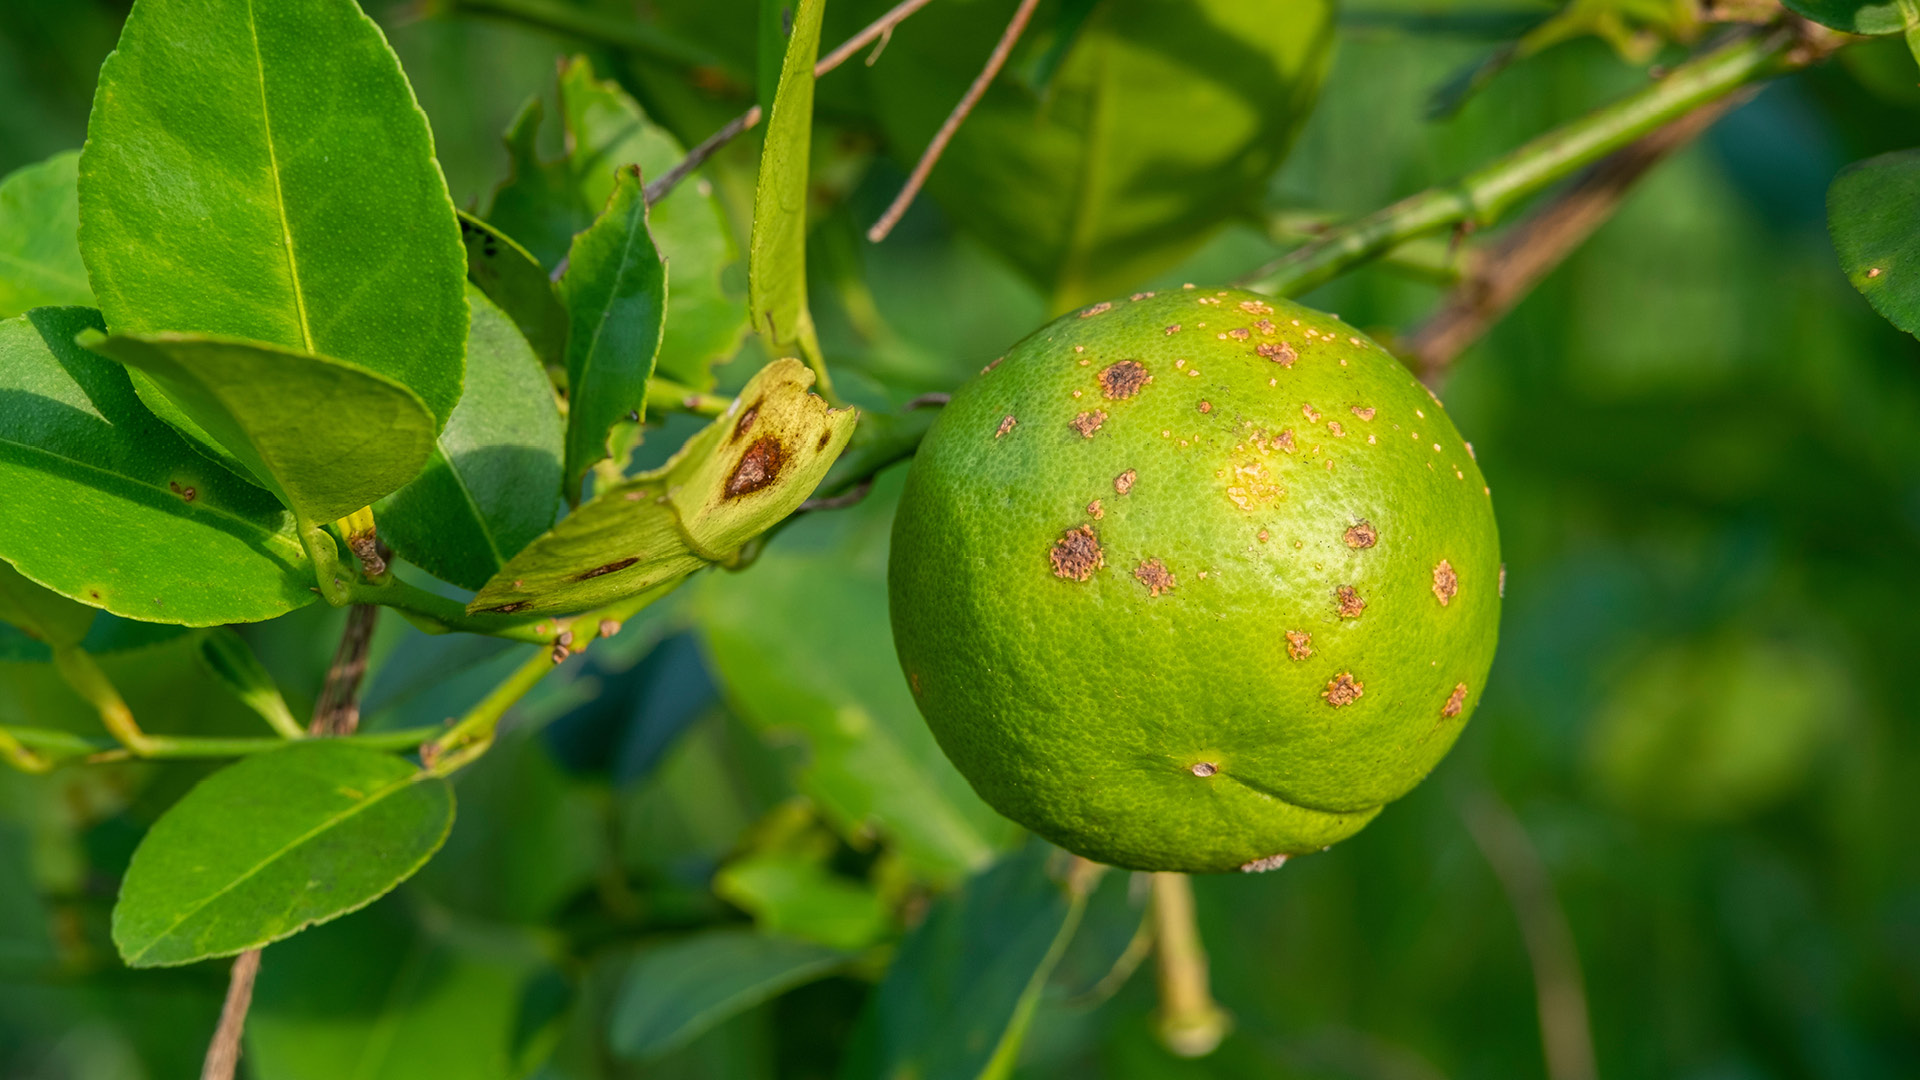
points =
(931, 156)
(1502, 275)
(223, 1055)
(1558, 986)
(879, 28)
(337, 710)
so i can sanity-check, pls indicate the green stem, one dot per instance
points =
(665, 394)
(471, 737)
(20, 756)
(439, 615)
(589, 25)
(65, 744)
(1483, 195)
(1189, 1022)
(335, 588)
(91, 683)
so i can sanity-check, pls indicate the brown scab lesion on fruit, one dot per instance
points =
(1076, 555)
(1361, 534)
(1343, 690)
(757, 468)
(1155, 576)
(1124, 482)
(1124, 379)
(1277, 351)
(1256, 307)
(1239, 333)
(1446, 583)
(1095, 510)
(1262, 865)
(1203, 769)
(1312, 414)
(1088, 422)
(1456, 702)
(1299, 644)
(1364, 412)
(1006, 425)
(1284, 441)
(1347, 602)
(990, 367)
(1206, 406)
(1172, 330)
(1338, 431)
(1097, 309)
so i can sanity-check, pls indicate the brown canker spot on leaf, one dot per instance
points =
(1124, 379)
(187, 494)
(757, 468)
(599, 571)
(1456, 702)
(825, 438)
(1124, 482)
(1362, 535)
(1277, 351)
(1096, 309)
(1204, 768)
(1346, 600)
(1261, 866)
(1006, 425)
(1445, 582)
(1155, 576)
(745, 422)
(1076, 555)
(1343, 689)
(1299, 644)
(1088, 422)
(508, 609)
(913, 680)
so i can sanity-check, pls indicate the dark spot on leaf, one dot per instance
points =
(597, 571)
(508, 609)
(746, 421)
(1124, 379)
(758, 467)
(825, 438)
(1076, 555)
(186, 493)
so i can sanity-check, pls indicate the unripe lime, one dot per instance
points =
(1195, 580)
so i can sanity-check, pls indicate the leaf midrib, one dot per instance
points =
(380, 794)
(279, 195)
(43, 270)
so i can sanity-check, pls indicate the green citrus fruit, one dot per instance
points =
(1195, 580)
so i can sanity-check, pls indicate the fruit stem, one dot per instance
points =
(1189, 1023)
(1482, 196)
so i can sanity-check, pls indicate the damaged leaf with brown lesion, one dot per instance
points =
(739, 476)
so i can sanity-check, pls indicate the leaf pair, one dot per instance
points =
(747, 470)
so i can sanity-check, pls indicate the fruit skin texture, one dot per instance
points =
(1191, 704)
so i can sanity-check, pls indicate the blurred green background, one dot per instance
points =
(1685, 815)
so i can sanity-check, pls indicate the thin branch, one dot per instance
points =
(1483, 195)
(1501, 276)
(337, 710)
(931, 156)
(1190, 1023)
(223, 1055)
(838, 502)
(696, 157)
(1558, 987)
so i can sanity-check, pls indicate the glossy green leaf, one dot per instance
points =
(231, 660)
(110, 507)
(326, 436)
(740, 475)
(615, 292)
(964, 984)
(777, 252)
(794, 894)
(394, 993)
(44, 615)
(267, 847)
(865, 755)
(492, 483)
(261, 171)
(545, 203)
(39, 238)
(1872, 208)
(1852, 16)
(514, 280)
(675, 992)
(1163, 120)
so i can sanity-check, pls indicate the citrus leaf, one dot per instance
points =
(492, 483)
(615, 292)
(740, 475)
(869, 760)
(231, 660)
(326, 436)
(675, 992)
(110, 507)
(777, 251)
(964, 984)
(512, 278)
(1871, 210)
(1162, 121)
(795, 895)
(398, 992)
(1851, 16)
(779, 442)
(544, 203)
(260, 170)
(262, 849)
(39, 238)
(45, 615)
